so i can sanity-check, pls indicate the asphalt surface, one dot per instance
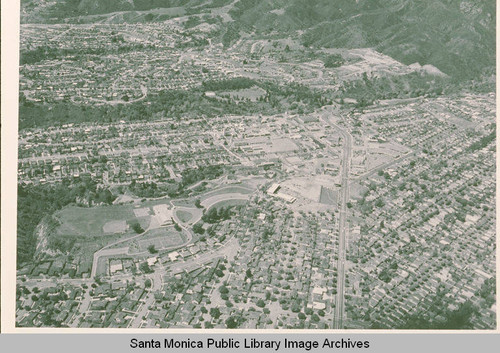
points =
(343, 199)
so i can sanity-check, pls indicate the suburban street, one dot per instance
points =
(229, 249)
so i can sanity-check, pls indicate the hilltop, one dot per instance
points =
(456, 37)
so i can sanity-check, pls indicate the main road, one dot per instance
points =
(343, 199)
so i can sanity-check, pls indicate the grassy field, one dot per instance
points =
(161, 238)
(183, 203)
(102, 266)
(232, 189)
(184, 216)
(226, 203)
(328, 196)
(106, 220)
(90, 221)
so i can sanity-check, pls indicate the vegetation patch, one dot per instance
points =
(184, 216)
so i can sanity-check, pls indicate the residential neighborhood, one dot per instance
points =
(182, 168)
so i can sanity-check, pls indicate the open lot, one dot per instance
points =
(225, 199)
(231, 202)
(184, 215)
(161, 238)
(328, 196)
(307, 187)
(96, 220)
(141, 212)
(280, 145)
(228, 190)
(252, 93)
(376, 159)
(114, 227)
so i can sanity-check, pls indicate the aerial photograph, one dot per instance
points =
(257, 164)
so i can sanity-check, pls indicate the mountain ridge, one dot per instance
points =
(457, 37)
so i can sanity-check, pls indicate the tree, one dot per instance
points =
(198, 228)
(215, 313)
(147, 283)
(137, 228)
(197, 203)
(249, 273)
(144, 267)
(177, 227)
(295, 307)
(379, 203)
(334, 60)
(232, 322)
(152, 249)
(260, 303)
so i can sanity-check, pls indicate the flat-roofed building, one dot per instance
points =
(272, 190)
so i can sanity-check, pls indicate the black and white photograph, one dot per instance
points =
(254, 164)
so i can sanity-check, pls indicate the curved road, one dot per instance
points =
(207, 203)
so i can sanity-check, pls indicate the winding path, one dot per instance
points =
(207, 203)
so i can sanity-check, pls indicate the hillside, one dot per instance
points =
(40, 11)
(457, 37)
(445, 33)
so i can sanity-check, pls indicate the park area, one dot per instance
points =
(184, 215)
(97, 221)
(160, 238)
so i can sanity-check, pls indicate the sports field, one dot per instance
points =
(100, 220)
(231, 189)
(161, 238)
(226, 203)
